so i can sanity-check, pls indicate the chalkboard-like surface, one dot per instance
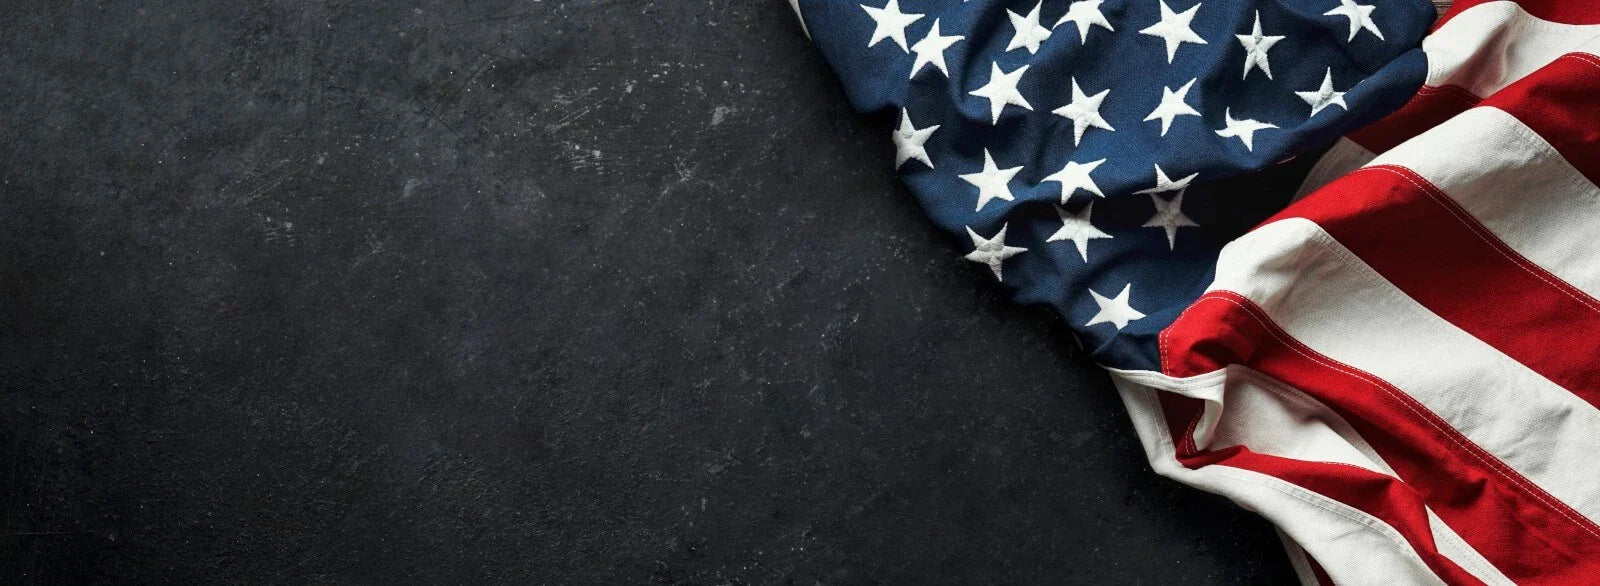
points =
(552, 292)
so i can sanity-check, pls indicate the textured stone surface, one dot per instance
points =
(520, 291)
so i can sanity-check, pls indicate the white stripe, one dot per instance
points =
(1245, 407)
(1252, 409)
(1344, 157)
(1519, 187)
(1328, 299)
(800, 16)
(1490, 46)
(1352, 546)
(1451, 545)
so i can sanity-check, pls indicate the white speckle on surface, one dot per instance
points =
(719, 113)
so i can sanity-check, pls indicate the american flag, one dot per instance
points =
(1397, 363)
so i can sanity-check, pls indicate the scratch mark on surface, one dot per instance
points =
(575, 114)
(266, 188)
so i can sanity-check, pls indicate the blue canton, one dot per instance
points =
(1094, 156)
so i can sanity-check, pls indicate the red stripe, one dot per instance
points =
(1381, 496)
(1556, 101)
(1516, 525)
(1425, 244)
(1429, 108)
(1561, 102)
(1428, 246)
(1562, 11)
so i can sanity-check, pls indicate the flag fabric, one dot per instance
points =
(1390, 348)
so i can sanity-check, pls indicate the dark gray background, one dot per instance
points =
(521, 291)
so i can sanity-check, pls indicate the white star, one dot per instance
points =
(1075, 176)
(1163, 184)
(891, 23)
(1114, 311)
(1360, 16)
(1169, 216)
(1028, 32)
(1085, 13)
(1172, 106)
(992, 182)
(1244, 130)
(1174, 28)
(931, 50)
(1078, 229)
(908, 141)
(992, 251)
(1002, 90)
(1084, 111)
(1256, 46)
(1324, 96)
